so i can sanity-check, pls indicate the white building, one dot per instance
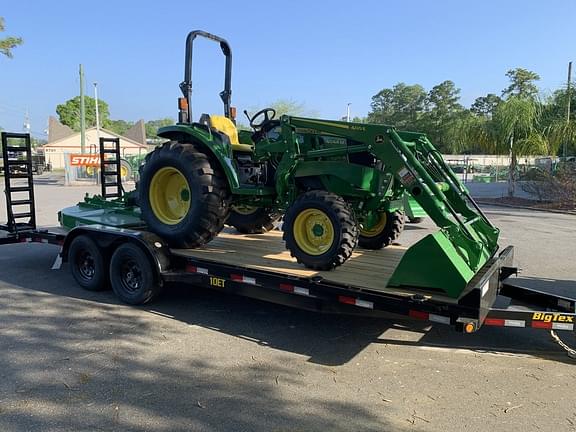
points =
(63, 141)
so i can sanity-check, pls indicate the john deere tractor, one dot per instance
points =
(336, 184)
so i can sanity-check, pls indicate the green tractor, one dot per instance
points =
(336, 184)
(329, 187)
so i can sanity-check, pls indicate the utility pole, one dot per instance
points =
(26, 125)
(97, 111)
(568, 94)
(82, 114)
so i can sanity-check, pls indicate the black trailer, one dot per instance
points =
(137, 264)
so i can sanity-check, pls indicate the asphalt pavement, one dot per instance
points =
(193, 360)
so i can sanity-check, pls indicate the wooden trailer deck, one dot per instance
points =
(365, 269)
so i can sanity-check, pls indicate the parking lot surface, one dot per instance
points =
(193, 360)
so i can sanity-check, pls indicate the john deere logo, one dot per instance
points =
(379, 139)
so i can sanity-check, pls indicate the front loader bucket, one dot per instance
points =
(433, 264)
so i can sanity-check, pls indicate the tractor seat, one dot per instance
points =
(227, 127)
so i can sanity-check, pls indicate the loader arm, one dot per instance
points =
(445, 260)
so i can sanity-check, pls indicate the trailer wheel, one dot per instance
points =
(87, 264)
(183, 195)
(252, 220)
(386, 231)
(131, 275)
(320, 230)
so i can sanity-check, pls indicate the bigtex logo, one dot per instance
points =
(552, 317)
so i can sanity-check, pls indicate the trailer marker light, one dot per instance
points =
(469, 327)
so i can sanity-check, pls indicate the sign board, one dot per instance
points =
(87, 160)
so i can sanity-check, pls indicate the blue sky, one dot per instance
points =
(324, 54)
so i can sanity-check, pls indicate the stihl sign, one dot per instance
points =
(85, 160)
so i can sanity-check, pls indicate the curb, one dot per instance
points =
(566, 212)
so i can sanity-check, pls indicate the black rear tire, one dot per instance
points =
(132, 276)
(260, 221)
(335, 211)
(87, 264)
(391, 231)
(207, 194)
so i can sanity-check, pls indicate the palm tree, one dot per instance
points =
(513, 130)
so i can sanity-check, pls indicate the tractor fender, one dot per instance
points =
(220, 151)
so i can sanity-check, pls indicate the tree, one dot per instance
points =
(485, 105)
(522, 83)
(282, 107)
(401, 106)
(69, 112)
(118, 126)
(444, 117)
(9, 43)
(152, 126)
(515, 130)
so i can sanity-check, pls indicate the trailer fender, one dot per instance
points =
(109, 238)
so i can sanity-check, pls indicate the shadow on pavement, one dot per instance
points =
(325, 339)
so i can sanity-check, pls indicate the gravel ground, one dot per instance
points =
(72, 360)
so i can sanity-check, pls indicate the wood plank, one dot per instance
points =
(368, 269)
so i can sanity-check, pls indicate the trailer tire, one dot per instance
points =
(87, 264)
(259, 221)
(132, 276)
(183, 195)
(387, 231)
(320, 230)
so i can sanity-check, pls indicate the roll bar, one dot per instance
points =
(186, 85)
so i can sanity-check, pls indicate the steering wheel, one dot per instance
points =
(267, 113)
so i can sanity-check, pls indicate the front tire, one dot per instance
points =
(320, 230)
(252, 220)
(183, 195)
(386, 231)
(131, 275)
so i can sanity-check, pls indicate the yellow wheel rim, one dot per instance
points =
(313, 231)
(169, 195)
(377, 228)
(244, 209)
(90, 170)
(123, 171)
